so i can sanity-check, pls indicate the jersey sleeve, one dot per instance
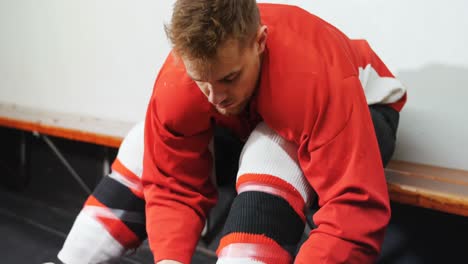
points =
(340, 158)
(177, 166)
(379, 84)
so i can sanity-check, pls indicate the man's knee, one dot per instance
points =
(267, 218)
(258, 213)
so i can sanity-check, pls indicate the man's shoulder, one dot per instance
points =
(177, 101)
(299, 32)
(290, 19)
(280, 9)
(173, 87)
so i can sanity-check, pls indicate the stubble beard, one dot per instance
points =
(232, 111)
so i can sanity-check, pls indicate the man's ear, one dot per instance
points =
(262, 35)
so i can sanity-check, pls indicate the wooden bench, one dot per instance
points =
(410, 183)
(428, 186)
(87, 129)
(106, 133)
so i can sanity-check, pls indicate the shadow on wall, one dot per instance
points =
(434, 123)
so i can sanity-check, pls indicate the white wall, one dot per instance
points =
(100, 58)
(93, 57)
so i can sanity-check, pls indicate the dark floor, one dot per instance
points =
(36, 212)
(38, 206)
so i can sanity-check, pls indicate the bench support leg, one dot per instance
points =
(65, 162)
(106, 162)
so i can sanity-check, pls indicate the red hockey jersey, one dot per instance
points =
(315, 88)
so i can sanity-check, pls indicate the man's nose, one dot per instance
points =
(216, 96)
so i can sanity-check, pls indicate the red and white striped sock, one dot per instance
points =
(267, 218)
(112, 220)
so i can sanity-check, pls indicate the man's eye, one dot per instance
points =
(230, 80)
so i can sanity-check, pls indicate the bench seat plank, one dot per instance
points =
(416, 184)
(71, 126)
(428, 186)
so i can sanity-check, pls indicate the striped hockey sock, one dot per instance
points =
(267, 218)
(112, 221)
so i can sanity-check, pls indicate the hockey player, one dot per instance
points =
(303, 95)
(318, 113)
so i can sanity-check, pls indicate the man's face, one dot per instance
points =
(230, 79)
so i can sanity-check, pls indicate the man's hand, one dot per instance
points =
(169, 262)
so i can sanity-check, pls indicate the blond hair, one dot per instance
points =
(199, 27)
